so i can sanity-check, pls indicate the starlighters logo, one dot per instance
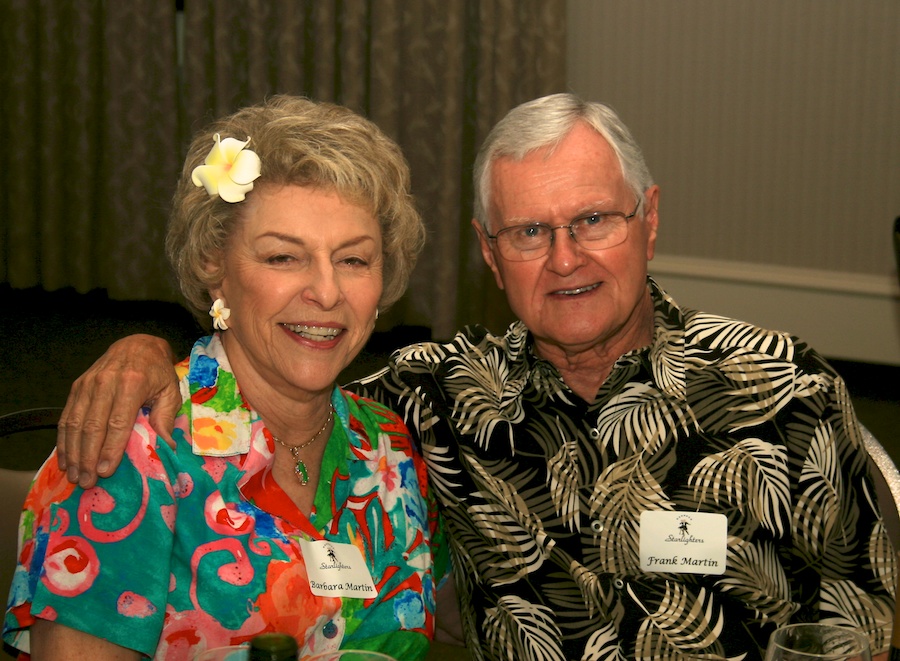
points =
(683, 532)
(333, 562)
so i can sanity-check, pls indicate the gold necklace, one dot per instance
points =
(300, 468)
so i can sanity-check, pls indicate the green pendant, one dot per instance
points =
(302, 473)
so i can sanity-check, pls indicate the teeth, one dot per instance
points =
(317, 333)
(580, 290)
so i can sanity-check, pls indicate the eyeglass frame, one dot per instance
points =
(569, 227)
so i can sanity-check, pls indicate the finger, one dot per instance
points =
(68, 431)
(112, 449)
(165, 408)
(115, 416)
(84, 426)
(100, 411)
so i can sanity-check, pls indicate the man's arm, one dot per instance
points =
(104, 401)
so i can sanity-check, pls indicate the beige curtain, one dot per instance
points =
(89, 144)
(435, 74)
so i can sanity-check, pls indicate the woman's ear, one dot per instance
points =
(215, 276)
(215, 294)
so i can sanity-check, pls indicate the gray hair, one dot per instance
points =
(544, 122)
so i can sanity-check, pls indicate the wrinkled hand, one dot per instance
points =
(103, 403)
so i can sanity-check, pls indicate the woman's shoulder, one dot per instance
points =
(375, 421)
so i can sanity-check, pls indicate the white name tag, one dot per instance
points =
(337, 570)
(683, 542)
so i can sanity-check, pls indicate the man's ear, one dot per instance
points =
(651, 219)
(486, 253)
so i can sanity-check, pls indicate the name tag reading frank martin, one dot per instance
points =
(337, 570)
(683, 542)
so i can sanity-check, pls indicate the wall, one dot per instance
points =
(772, 128)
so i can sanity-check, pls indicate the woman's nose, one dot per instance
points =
(323, 288)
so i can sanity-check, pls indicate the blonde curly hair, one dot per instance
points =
(304, 143)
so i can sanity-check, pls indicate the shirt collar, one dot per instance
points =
(664, 355)
(220, 420)
(666, 351)
(219, 417)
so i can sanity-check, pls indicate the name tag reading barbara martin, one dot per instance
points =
(337, 570)
(683, 542)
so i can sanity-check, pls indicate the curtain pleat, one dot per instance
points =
(91, 136)
(140, 160)
(96, 116)
(419, 101)
(517, 54)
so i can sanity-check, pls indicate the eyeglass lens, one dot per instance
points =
(595, 232)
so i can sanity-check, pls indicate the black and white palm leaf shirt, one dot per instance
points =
(543, 492)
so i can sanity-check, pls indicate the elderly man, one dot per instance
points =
(621, 477)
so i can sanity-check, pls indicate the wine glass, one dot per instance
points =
(817, 642)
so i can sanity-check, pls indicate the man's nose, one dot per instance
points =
(565, 253)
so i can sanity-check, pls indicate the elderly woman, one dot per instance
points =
(286, 504)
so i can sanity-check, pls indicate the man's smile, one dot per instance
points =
(574, 292)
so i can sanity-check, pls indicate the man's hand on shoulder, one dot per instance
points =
(103, 403)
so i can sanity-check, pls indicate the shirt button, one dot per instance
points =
(619, 583)
(596, 526)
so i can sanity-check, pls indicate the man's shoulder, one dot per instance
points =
(472, 342)
(726, 336)
(702, 331)
(422, 370)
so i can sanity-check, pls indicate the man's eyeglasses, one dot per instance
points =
(597, 231)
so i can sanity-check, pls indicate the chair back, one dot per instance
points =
(887, 488)
(26, 439)
(887, 484)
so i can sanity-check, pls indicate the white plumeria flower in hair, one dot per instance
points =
(219, 313)
(229, 170)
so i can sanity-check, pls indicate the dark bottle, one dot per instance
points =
(273, 647)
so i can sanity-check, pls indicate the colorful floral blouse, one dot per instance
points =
(184, 550)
